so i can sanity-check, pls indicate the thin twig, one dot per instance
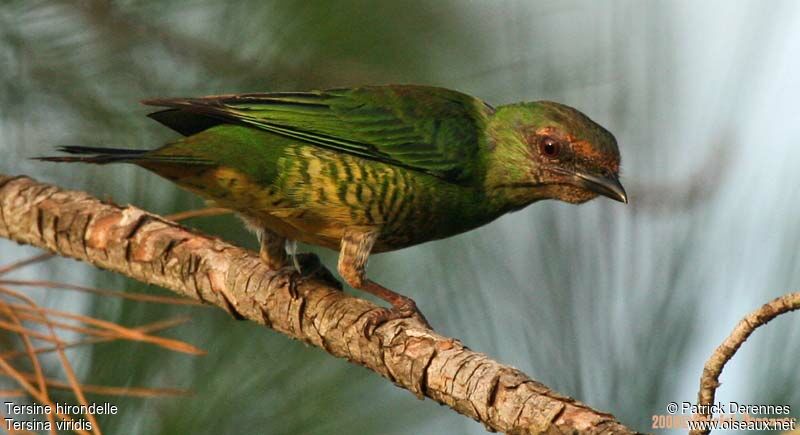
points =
(20, 379)
(123, 332)
(35, 259)
(37, 367)
(712, 370)
(112, 391)
(62, 357)
(148, 328)
(139, 297)
(7, 326)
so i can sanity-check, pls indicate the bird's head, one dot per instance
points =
(546, 150)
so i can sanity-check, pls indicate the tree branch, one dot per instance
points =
(709, 381)
(153, 250)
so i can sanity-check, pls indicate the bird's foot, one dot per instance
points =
(286, 276)
(404, 308)
(304, 266)
(310, 267)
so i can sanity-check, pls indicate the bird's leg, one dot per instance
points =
(275, 252)
(355, 249)
(272, 251)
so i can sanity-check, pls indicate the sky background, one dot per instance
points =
(617, 306)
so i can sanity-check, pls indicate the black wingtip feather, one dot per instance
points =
(56, 159)
(95, 155)
(100, 160)
(77, 149)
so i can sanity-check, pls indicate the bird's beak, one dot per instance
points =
(607, 185)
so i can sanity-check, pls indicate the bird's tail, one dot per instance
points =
(99, 156)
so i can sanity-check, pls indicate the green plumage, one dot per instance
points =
(431, 130)
(410, 163)
(312, 194)
(375, 168)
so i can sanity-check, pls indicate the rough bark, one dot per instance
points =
(147, 248)
(709, 381)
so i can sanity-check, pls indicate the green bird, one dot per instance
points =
(374, 168)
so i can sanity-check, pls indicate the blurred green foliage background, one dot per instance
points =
(615, 305)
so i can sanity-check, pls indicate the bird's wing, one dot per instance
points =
(433, 130)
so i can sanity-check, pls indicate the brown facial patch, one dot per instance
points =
(585, 149)
(578, 147)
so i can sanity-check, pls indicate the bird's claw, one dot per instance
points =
(407, 309)
(312, 267)
(304, 266)
(288, 276)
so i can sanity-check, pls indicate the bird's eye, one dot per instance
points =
(550, 147)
